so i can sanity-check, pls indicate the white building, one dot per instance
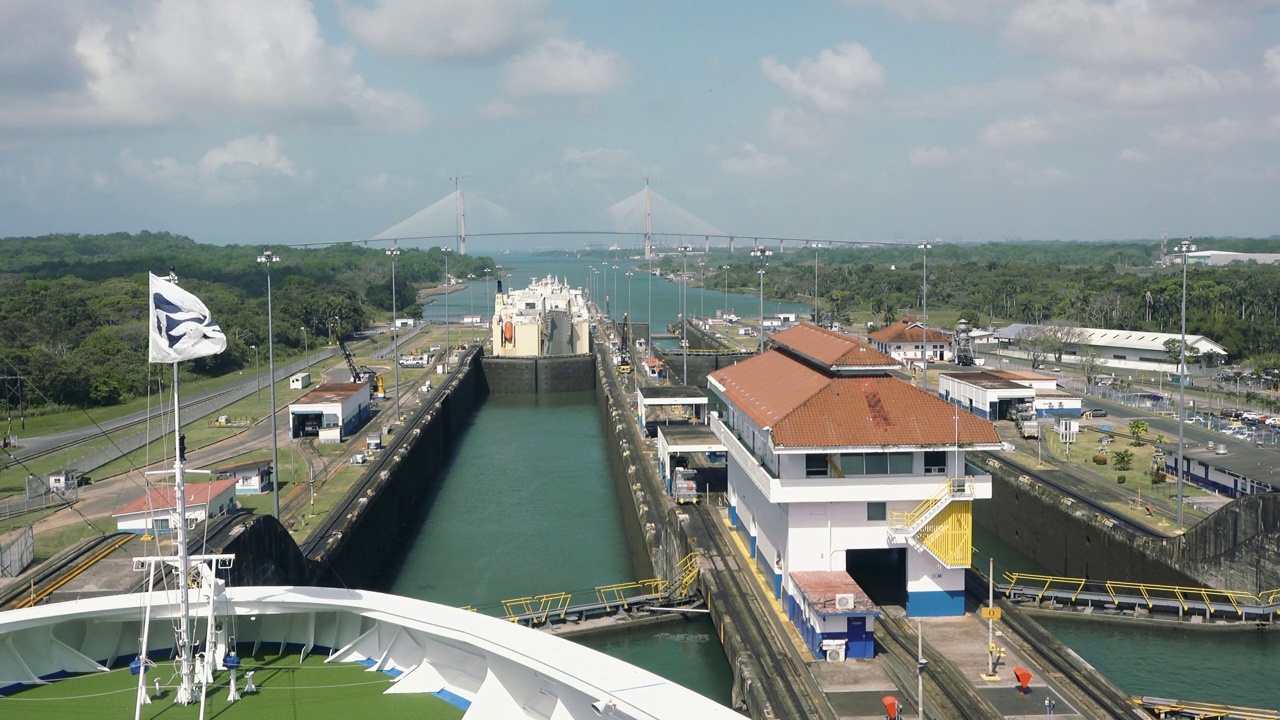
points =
(906, 341)
(300, 381)
(157, 511)
(1118, 349)
(332, 411)
(62, 480)
(992, 394)
(251, 477)
(1230, 468)
(840, 468)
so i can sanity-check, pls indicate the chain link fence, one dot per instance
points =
(18, 553)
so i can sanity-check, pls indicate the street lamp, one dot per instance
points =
(702, 289)
(615, 284)
(1183, 249)
(445, 250)
(488, 295)
(471, 295)
(306, 346)
(924, 305)
(268, 259)
(257, 375)
(763, 254)
(725, 268)
(815, 284)
(684, 310)
(394, 253)
(630, 341)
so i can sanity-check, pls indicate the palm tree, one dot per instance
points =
(1137, 429)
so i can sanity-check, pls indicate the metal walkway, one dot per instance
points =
(1165, 708)
(1118, 595)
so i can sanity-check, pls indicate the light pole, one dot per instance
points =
(267, 259)
(630, 340)
(394, 253)
(257, 375)
(924, 305)
(488, 296)
(1184, 248)
(306, 345)
(615, 283)
(471, 295)
(815, 284)
(445, 250)
(763, 254)
(702, 289)
(684, 311)
(648, 318)
(725, 268)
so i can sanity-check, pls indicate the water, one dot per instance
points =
(1240, 667)
(527, 507)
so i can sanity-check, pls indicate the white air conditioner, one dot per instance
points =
(835, 654)
(833, 650)
(846, 601)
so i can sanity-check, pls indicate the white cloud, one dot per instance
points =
(500, 109)
(1119, 32)
(1211, 136)
(930, 156)
(1134, 155)
(238, 173)
(566, 68)
(973, 11)
(1020, 131)
(187, 60)
(838, 81)
(1028, 176)
(598, 164)
(1171, 85)
(444, 29)
(800, 128)
(753, 163)
(1271, 61)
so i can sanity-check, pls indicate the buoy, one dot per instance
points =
(1024, 679)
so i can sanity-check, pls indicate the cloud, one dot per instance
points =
(565, 68)
(838, 81)
(598, 164)
(1210, 136)
(178, 61)
(1171, 85)
(968, 11)
(444, 29)
(800, 128)
(1119, 32)
(1020, 131)
(1134, 155)
(237, 173)
(754, 163)
(931, 156)
(1271, 62)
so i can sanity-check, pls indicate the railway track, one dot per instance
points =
(60, 569)
(948, 693)
(793, 692)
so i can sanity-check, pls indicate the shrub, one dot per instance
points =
(1120, 479)
(1123, 460)
(1099, 459)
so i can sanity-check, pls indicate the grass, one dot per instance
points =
(286, 689)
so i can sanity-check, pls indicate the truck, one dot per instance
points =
(1028, 423)
(684, 489)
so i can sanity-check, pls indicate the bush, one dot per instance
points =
(1099, 459)
(1120, 479)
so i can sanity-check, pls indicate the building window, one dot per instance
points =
(160, 524)
(877, 464)
(815, 465)
(1118, 357)
(935, 462)
(875, 511)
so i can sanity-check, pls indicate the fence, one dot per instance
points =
(18, 554)
(20, 505)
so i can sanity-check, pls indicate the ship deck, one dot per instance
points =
(286, 688)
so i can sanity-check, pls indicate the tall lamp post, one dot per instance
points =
(763, 254)
(1184, 248)
(445, 250)
(615, 282)
(630, 340)
(257, 375)
(306, 345)
(725, 268)
(815, 283)
(268, 259)
(394, 253)
(702, 289)
(684, 311)
(924, 306)
(488, 295)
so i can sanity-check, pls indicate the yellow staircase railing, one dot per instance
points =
(941, 525)
(620, 593)
(538, 607)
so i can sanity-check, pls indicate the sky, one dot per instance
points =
(286, 121)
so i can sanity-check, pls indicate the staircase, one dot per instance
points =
(941, 526)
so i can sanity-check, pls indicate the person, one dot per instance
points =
(1048, 706)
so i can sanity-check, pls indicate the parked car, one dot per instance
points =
(1096, 412)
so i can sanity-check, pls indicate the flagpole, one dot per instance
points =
(185, 683)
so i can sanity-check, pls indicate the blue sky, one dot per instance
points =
(288, 121)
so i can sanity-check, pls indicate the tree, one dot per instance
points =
(1122, 460)
(1034, 342)
(1171, 347)
(1060, 336)
(1137, 429)
(1091, 366)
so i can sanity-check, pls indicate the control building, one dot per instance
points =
(842, 476)
(332, 411)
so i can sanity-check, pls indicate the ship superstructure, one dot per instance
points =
(547, 318)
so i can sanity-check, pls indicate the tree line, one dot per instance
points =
(73, 308)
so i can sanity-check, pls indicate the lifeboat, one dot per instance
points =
(508, 331)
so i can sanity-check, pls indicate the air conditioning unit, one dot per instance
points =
(846, 601)
(833, 650)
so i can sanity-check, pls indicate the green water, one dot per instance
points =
(1231, 667)
(527, 507)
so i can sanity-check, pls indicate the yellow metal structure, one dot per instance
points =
(941, 525)
(621, 593)
(1116, 589)
(686, 573)
(538, 608)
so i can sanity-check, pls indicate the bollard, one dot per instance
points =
(1024, 679)
(890, 707)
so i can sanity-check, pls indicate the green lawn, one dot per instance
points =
(285, 690)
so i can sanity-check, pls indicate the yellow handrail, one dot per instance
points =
(907, 519)
(1150, 592)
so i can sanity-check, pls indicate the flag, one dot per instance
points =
(180, 325)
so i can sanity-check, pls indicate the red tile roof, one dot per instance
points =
(807, 408)
(829, 348)
(821, 587)
(906, 330)
(162, 498)
(330, 393)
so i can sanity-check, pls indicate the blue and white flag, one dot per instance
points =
(180, 325)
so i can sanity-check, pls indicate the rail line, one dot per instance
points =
(58, 570)
(796, 695)
(949, 694)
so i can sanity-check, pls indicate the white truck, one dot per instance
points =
(1028, 423)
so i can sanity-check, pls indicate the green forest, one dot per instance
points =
(73, 307)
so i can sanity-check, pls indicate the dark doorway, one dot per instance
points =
(882, 574)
